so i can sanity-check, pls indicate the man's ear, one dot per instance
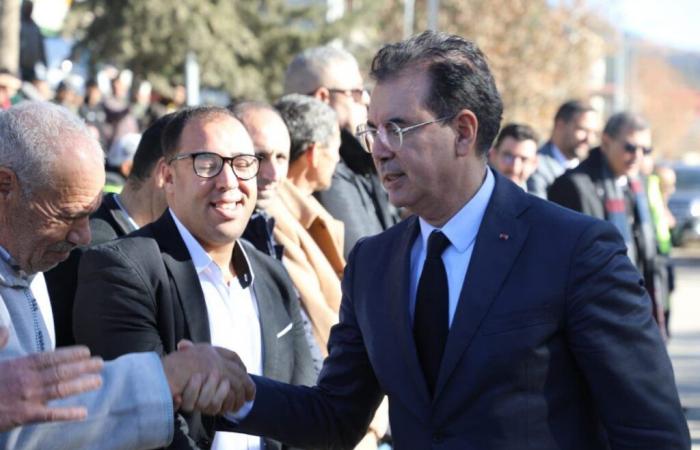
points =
(312, 154)
(9, 184)
(166, 173)
(322, 94)
(467, 126)
(159, 173)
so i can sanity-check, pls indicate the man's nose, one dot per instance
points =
(80, 232)
(227, 177)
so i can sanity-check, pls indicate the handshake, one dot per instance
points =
(201, 377)
(209, 379)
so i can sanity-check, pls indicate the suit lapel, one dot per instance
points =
(399, 275)
(184, 277)
(498, 243)
(271, 323)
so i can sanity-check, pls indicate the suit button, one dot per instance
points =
(438, 438)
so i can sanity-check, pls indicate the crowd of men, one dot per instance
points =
(300, 274)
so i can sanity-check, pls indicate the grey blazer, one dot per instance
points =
(548, 170)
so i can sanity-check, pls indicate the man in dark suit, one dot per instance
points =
(141, 201)
(188, 276)
(575, 127)
(492, 319)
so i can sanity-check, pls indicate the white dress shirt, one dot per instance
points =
(563, 160)
(234, 323)
(461, 230)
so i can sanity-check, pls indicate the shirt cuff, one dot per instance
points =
(237, 416)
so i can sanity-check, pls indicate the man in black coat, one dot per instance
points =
(356, 196)
(188, 276)
(607, 185)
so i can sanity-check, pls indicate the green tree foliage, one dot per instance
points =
(242, 47)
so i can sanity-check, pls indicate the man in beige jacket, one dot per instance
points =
(290, 218)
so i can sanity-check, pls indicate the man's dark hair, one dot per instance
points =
(569, 110)
(518, 131)
(149, 150)
(173, 129)
(624, 121)
(459, 75)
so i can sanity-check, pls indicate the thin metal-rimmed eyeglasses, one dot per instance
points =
(390, 134)
(209, 164)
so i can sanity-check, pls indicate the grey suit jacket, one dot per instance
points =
(548, 170)
(152, 299)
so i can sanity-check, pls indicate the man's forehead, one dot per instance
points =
(399, 96)
(216, 130)
(342, 74)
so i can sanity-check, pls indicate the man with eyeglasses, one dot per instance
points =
(608, 186)
(491, 318)
(356, 196)
(189, 276)
(514, 154)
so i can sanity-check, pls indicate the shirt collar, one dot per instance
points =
(559, 156)
(202, 260)
(463, 227)
(10, 273)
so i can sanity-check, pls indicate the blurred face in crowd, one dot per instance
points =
(516, 160)
(215, 210)
(577, 136)
(271, 142)
(41, 230)
(346, 94)
(328, 156)
(422, 173)
(626, 151)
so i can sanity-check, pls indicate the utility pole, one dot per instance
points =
(409, 13)
(9, 35)
(433, 7)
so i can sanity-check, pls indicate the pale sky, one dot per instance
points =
(675, 23)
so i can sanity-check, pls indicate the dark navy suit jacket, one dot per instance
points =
(552, 346)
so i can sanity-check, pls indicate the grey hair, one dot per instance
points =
(309, 121)
(30, 135)
(624, 121)
(307, 71)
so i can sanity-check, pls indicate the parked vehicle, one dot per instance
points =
(685, 205)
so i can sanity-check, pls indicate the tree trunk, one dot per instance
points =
(9, 35)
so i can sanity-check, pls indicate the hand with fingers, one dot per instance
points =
(209, 379)
(28, 383)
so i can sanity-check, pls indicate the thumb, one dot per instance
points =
(184, 344)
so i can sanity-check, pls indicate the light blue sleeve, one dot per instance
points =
(132, 410)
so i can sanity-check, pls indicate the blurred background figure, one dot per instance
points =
(660, 184)
(9, 84)
(355, 196)
(119, 161)
(609, 185)
(514, 154)
(575, 128)
(31, 47)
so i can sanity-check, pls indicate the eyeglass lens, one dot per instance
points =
(208, 165)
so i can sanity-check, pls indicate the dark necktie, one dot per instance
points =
(430, 323)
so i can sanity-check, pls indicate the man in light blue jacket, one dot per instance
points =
(51, 176)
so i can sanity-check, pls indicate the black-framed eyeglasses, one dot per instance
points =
(631, 148)
(209, 164)
(390, 134)
(357, 94)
